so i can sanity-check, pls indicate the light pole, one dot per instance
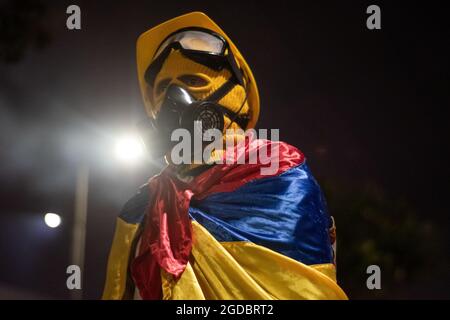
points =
(79, 224)
(128, 149)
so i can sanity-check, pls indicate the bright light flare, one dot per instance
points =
(129, 149)
(52, 220)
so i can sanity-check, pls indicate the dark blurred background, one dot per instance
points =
(368, 108)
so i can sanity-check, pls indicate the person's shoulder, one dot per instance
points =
(134, 210)
(281, 152)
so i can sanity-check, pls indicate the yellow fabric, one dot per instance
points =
(116, 275)
(187, 284)
(327, 269)
(149, 41)
(243, 270)
(176, 66)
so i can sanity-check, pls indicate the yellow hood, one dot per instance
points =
(149, 41)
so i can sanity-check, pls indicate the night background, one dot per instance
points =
(369, 108)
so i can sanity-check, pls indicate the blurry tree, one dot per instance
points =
(373, 228)
(22, 27)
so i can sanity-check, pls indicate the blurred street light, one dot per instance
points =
(52, 220)
(129, 149)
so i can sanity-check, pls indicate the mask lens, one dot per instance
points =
(202, 47)
(201, 41)
(195, 40)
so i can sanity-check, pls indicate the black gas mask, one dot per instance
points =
(179, 108)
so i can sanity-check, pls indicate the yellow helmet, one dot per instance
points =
(149, 41)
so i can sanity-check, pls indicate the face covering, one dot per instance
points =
(185, 91)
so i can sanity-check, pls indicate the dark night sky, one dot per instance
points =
(364, 106)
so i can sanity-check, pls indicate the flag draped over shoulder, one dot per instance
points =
(232, 232)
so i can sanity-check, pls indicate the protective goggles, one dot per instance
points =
(199, 45)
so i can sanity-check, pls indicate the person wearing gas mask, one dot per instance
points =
(216, 230)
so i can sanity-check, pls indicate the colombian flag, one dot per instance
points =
(230, 232)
